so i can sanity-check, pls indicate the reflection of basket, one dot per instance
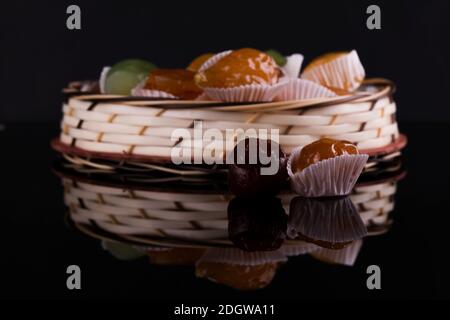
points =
(138, 215)
(140, 129)
(374, 203)
(157, 214)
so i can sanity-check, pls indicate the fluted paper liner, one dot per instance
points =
(212, 60)
(346, 256)
(293, 65)
(301, 248)
(140, 91)
(343, 73)
(334, 220)
(299, 89)
(240, 257)
(331, 177)
(244, 93)
(203, 97)
(102, 80)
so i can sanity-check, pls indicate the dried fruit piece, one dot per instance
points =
(240, 67)
(178, 82)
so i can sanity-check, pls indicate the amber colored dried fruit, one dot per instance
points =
(182, 256)
(240, 67)
(325, 58)
(178, 82)
(197, 62)
(321, 150)
(241, 277)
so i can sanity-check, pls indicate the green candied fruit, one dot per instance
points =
(277, 56)
(126, 74)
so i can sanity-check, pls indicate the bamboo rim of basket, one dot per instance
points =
(396, 145)
(77, 170)
(387, 88)
(145, 146)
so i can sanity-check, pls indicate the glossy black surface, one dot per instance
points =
(37, 245)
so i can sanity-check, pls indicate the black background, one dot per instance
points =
(39, 55)
(37, 244)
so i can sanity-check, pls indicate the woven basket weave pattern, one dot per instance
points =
(188, 216)
(133, 127)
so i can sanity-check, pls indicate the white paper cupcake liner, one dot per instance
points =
(203, 97)
(331, 177)
(300, 89)
(247, 93)
(293, 65)
(333, 220)
(346, 256)
(239, 257)
(345, 72)
(140, 91)
(102, 80)
(211, 61)
(301, 248)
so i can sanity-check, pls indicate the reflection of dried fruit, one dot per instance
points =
(237, 276)
(322, 149)
(257, 224)
(175, 256)
(197, 62)
(178, 82)
(240, 67)
(250, 156)
(331, 222)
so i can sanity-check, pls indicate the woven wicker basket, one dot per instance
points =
(140, 129)
(155, 217)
